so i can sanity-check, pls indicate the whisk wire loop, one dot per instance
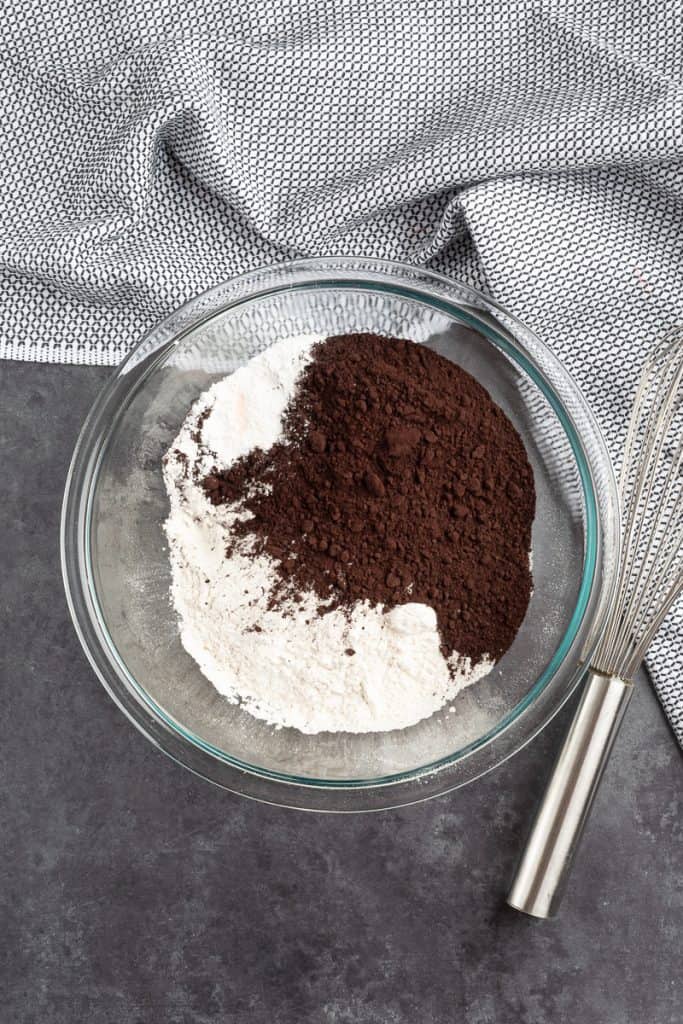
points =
(650, 574)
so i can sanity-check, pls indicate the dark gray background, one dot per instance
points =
(133, 893)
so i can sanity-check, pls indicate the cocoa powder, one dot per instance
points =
(397, 479)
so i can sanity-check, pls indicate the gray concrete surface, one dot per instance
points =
(133, 893)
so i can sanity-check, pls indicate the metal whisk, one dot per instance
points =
(650, 577)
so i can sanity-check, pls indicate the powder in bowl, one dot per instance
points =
(349, 533)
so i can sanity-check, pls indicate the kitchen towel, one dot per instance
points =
(152, 148)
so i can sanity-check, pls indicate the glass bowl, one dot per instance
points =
(115, 560)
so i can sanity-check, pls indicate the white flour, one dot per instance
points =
(289, 669)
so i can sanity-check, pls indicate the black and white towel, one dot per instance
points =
(152, 148)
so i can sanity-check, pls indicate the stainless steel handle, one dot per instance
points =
(539, 881)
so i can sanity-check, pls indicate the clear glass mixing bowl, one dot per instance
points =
(115, 560)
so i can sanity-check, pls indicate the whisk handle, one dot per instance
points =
(546, 861)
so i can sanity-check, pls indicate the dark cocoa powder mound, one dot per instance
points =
(398, 479)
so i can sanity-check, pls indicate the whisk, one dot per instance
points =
(649, 579)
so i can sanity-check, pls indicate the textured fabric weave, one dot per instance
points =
(152, 148)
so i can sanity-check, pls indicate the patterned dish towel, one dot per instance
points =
(152, 148)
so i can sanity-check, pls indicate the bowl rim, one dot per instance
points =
(333, 272)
